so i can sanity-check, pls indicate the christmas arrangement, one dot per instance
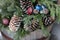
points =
(25, 16)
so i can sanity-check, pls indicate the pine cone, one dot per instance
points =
(25, 4)
(35, 23)
(33, 26)
(47, 20)
(15, 23)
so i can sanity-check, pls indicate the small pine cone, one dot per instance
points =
(47, 20)
(15, 23)
(35, 23)
(33, 26)
(25, 4)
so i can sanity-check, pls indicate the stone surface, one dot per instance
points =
(55, 33)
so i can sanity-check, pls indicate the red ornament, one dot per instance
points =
(5, 21)
(29, 10)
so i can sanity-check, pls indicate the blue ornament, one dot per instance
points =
(38, 7)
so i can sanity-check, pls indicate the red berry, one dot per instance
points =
(5, 21)
(29, 10)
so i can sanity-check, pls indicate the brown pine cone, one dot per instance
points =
(25, 4)
(35, 23)
(15, 23)
(33, 26)
(47, 20)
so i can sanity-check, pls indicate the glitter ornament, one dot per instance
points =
(35, 11)
(45, 10)
(29, 11)
(38, 7)
(5, 21)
